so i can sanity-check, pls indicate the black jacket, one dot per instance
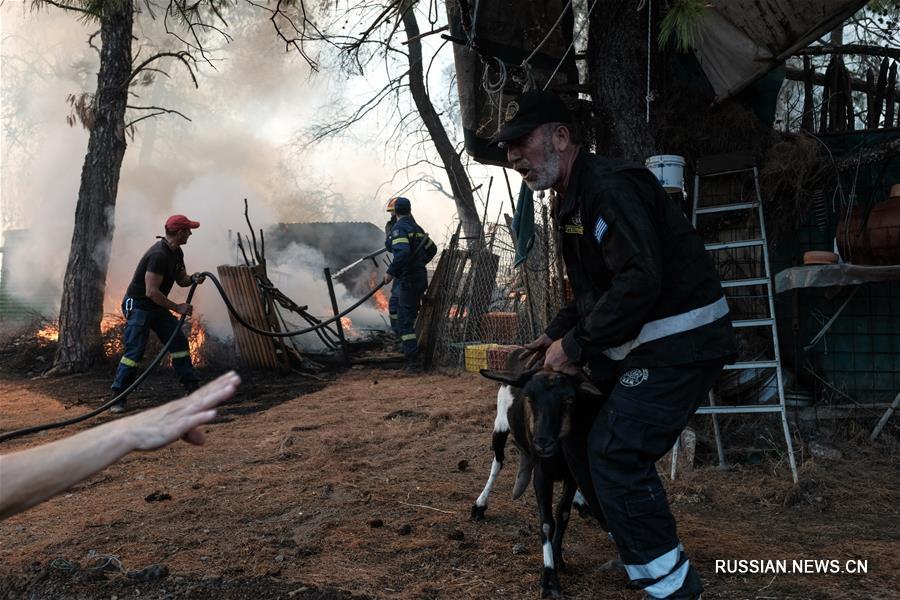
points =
(637, 268)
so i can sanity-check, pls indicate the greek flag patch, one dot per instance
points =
(600, 229)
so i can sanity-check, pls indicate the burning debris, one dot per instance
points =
(112, 328)
(259, 303)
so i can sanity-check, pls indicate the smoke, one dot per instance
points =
(297, 272)
(242, 117)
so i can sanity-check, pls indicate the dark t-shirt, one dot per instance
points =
(161, 260)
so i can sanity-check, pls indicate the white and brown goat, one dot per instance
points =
(549, 415)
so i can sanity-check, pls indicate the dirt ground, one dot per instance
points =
(362, 486)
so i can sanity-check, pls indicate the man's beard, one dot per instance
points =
(546, 176)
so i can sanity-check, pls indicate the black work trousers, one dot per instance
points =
(640, 421)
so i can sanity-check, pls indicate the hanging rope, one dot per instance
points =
(587, 19)
(494, 87)
(525, 63)
(470, 35)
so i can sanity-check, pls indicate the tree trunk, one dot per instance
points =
(617, 76)
(456, 172)
(81, 309)
(683, 117)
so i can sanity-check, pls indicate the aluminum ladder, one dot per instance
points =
(737, 165)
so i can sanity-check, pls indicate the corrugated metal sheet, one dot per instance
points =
(255, 350)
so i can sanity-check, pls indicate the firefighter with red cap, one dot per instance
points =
(147, 307)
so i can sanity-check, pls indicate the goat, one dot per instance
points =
(549, 415)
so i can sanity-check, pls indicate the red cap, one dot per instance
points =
(179, 222)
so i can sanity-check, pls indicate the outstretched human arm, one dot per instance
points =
(29, 477)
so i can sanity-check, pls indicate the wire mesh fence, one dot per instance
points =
(481, 300)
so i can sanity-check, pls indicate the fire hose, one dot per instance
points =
(140, 378)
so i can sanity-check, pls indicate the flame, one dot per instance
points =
(110, 322)
(381, 302)
(349, 330)
(196, 340)
(112, 329)
(48, 333)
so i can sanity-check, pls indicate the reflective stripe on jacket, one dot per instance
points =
(645, 288)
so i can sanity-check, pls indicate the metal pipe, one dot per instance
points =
(356, 262)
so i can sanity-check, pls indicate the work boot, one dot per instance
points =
(118, 407)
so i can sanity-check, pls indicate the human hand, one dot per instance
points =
(555, 358)
(536, 349)
(184, 309)
(388, 278)
(160, 426)
(198, 278)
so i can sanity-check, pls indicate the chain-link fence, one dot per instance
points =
(479, 297)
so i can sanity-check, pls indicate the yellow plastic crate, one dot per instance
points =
(476, 356)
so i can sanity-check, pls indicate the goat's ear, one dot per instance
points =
(509, 378)
(589, 390)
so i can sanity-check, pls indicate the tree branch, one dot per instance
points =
(160, 111)
(182, 56)
(68, 7)
(300, 35)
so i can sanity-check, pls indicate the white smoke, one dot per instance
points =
(242, 115)
(297, 271)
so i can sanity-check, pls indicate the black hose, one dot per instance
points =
(105, 406)
(319, 325)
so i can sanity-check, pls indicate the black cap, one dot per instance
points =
(528, 111)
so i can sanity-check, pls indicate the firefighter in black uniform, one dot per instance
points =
(146, 307)
(648, 303)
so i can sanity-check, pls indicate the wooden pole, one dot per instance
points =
(826, 100)
(836, 121)
(340, 326)
(871, 117)
(884, 419)
(848, 100)
(807, 122)
(880, 85)
(889, 97)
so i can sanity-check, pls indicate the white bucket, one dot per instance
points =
(669, 169)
